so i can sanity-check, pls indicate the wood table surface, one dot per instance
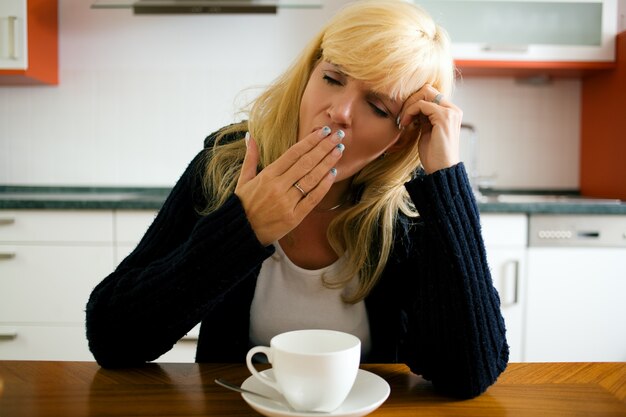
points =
(66, 389)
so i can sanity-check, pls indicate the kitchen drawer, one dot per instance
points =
(131, 225)
(28, 226)
(54, 343)
(50, 283)
(505, 230)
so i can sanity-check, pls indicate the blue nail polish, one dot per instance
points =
(341, 146)
(326, 131)
(341, 134)
(333, 172)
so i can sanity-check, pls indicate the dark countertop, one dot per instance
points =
(71, 198)
(151, 198)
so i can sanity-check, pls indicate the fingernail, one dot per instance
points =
(325, 131)
(340, 134)
(398, 122)
(333, 172)
(247, 138)
(341, 147)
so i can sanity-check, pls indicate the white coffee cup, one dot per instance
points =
(313, 369)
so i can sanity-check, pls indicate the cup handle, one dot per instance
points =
(261, 377)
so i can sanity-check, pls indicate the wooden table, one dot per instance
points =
(67, 389)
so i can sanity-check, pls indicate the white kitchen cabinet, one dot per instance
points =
(576, 310)
(184, 350)
(529, 30)
(49, 263)
(47, 341)
(505, 238)
(13, 41)
(130, 226)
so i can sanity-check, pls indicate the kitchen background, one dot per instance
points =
(138, 94)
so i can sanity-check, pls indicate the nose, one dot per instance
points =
(341, 109)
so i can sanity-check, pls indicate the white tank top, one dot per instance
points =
(288, 297)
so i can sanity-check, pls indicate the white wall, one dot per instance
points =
(529, 135)
(138, 94)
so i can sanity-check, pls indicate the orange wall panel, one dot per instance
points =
(603, 130)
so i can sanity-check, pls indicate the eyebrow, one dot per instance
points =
(380, 96)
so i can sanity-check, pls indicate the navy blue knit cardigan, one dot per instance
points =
(434, 308)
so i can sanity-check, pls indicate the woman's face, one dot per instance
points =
(333, 99)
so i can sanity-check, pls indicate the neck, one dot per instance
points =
(336, 197)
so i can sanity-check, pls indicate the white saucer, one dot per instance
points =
(368, 393)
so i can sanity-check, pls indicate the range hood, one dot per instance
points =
(144, 7)
(203, 6)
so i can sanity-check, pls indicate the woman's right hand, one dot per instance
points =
(273, 204)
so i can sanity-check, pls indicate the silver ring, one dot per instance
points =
(300, 189)
(438, 98)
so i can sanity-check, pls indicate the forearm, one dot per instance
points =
(457, 327)
(182, 267)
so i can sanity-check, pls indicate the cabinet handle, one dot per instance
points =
(8, 333)
(515, 264)
(12, 37)
(5, 221)
(6, 255)
(518, 49)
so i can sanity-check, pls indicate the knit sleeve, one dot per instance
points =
(455, 329)
(181, 268)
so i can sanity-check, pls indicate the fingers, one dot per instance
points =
(250, 162)
(315, 196)
(294, 154)
(312, 167)
(307, 162)
(272, 203)
(425, 101)
(440, 123)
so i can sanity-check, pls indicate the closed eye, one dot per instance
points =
(378, 111)
(330, 80)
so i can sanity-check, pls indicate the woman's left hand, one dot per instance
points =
(440, 122)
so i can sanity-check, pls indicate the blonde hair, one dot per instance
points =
(396, 48)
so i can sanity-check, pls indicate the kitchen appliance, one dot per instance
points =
(576, 286)
(168, 7)
(203, 6)
(468, 148)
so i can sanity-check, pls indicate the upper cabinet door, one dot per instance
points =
(13, 45)
(529, 30)
(28, 42)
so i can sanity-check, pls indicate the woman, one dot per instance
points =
(340, 204)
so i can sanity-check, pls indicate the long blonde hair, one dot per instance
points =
(396, 48)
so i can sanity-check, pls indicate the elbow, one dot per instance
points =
(109, 348)
(113, 356)
(476, 379)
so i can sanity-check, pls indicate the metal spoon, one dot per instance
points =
(237, 388)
